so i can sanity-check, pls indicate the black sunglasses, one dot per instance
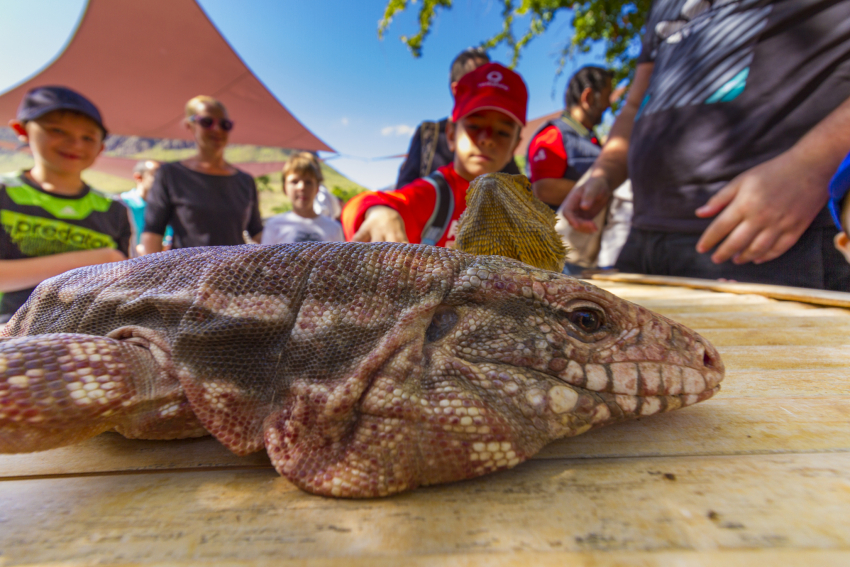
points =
(207, 122)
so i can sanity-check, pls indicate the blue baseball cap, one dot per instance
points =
(41, 100)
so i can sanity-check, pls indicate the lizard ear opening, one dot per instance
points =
(443, 321)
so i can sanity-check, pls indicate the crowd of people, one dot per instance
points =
(732, 138)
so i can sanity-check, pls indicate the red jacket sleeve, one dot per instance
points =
(414, 202)
(547, 157)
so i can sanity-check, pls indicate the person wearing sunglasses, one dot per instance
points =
(206, 200)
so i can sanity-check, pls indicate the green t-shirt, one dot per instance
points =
(36, 223)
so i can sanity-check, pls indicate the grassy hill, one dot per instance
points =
(272, 199)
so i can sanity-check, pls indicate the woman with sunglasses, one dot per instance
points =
(207, 201)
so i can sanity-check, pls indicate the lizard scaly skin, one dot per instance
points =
(503, 217)
(362, 369)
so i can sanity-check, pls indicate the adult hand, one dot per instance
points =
(762, 212)
(381, 224)
(588, 197)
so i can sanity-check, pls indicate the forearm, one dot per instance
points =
(29, 272)
(612, 163)
(151, 242)
(552, 191)
(822, 149)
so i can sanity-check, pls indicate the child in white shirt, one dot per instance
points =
(301, 178)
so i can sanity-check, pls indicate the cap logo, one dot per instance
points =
(494, 79)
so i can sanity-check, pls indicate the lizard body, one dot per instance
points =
(363, 369)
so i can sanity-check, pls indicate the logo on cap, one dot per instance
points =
(494, 79)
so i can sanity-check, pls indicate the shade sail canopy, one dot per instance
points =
(139, 61)
(123, 167)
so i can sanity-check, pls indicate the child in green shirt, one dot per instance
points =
(50, 220)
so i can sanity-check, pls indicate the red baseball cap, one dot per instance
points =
(494, 87)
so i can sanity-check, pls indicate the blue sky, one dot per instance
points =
(323, 60)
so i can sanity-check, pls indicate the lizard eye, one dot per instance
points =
(443, 321)
(586, 319)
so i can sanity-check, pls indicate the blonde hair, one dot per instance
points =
(302, 163)
(197, 104)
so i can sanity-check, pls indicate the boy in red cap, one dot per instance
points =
(489, 113)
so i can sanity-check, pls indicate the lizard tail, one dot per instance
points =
(59, 389)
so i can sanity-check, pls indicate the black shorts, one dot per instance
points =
(812, 262)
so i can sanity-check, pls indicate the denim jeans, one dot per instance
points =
(812, 262)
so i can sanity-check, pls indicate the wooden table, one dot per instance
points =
(758, 475)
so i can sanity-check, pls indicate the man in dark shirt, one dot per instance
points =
(737, 117)
(429, 149)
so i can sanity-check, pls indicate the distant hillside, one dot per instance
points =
(272, 200)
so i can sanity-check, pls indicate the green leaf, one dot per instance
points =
(616, 24)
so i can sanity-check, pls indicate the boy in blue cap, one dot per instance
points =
(50, 220)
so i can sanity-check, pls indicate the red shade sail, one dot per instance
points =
(139, 61)
(123, 167)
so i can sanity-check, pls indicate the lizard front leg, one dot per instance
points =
(59, 389)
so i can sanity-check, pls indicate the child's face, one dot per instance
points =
(65, 142)
(483, 142)
(301, 188)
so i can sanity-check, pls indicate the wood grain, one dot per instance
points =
(603, 505)
(815, 296)
(748, 558)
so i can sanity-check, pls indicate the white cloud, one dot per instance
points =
(344, 121)
(398, 130)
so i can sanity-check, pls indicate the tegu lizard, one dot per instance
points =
(363, 369)
(503, 217)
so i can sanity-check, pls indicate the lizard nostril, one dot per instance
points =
(708, 360)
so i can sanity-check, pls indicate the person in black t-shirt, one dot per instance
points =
(737, 117)
(206, 200)
(429, 149)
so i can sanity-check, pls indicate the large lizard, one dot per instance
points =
(363, 369)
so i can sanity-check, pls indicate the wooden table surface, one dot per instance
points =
(758, 475)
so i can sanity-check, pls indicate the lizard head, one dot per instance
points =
(480, 376)
(503, 217)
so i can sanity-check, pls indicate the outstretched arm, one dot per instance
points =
(151, 242)
(29, 272)
(381, 224)
(762, 212)
(610, 169)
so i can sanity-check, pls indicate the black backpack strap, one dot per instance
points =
(443, 209)
(429, 134)
(581, 152)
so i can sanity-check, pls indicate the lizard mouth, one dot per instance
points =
(596, 404)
